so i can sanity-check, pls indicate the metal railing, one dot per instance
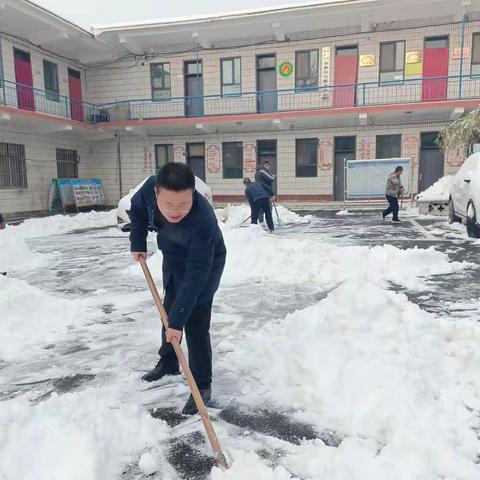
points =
(314, 98)
(14, 94)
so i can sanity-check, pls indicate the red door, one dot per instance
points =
(75, 89)
(24, 79)
(435, 64)
(346, 61)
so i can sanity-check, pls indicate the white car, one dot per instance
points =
(464, 201)
(123, 218)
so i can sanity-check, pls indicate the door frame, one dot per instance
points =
(257, 70)
(186, 76)
(335, 161)
(188, 157)
(420, 158)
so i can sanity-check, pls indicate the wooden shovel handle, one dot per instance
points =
(212, 437)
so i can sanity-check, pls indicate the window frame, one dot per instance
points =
(169, 154)
(163, 88)
(306, 88)
(399, 135)
(6, 155)
(238, 148)
(472, 62)
(51, 94)
(310, 165)
(233, 84)
(386, 83)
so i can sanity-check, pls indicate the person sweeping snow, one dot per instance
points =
(193, 261)
(259, 197)
(392, 193)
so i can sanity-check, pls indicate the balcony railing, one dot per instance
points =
(417, 90)
(33, 99)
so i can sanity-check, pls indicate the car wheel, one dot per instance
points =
(452, 217)
(473, 228)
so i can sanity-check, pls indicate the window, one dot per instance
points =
(13, 168)
(306, 157)
(231, 76)
(67, 163)
(1, 67)
(232, 160)
(475, 54)
(50, 75)
(266, 62)
(389, 146)
(163, 155)
(193, 68)
(392, 61)
(436, 42)
(160, 75)
(306, 69)
(346, 50)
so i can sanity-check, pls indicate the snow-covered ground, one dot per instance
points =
(362, 334)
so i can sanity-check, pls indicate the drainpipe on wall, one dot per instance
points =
(119, 164)
(462, 45)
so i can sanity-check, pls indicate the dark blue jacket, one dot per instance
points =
(193, 250)
(1, 218)
(256, 191)
(264, 177)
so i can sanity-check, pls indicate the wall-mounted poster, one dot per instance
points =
(367, 60)
(213, 158)
(179, 154)
(249, 157)
(325, 72)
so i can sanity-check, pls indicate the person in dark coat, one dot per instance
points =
(193, 260)
(2, 222)
(259, 197)
(264, 176)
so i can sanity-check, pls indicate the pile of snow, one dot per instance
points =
(235, 215)
(86, 435)
(15, 253)
(366, 363)
(32, 318)
(439, 191)
(256, 256)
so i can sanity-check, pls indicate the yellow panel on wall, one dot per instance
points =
(413, 68)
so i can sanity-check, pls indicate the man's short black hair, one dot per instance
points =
(399, 169)
(247, 181)
(176, 177)
(266, 162)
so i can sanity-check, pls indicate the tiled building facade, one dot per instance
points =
(303, 87)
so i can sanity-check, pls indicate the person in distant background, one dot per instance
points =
(259, 197)
(264, 176)
(393, 191)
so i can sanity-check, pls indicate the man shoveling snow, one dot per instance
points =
(193, 260)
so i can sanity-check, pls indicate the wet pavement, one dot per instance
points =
(88, 263)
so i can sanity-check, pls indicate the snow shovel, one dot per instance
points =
(212, 437)
(280, 222)
(240, 224)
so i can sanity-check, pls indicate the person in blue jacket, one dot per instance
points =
(259, 197)
(193, 260)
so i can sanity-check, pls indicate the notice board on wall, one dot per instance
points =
(76, 193)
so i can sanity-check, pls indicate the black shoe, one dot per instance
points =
(190, 408)
(396, 220)
(3, 273)
(160, 370)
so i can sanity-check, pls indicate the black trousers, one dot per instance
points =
(393, 207)
(197, 333)
(263, 204)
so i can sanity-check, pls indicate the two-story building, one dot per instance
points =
(305, 87)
